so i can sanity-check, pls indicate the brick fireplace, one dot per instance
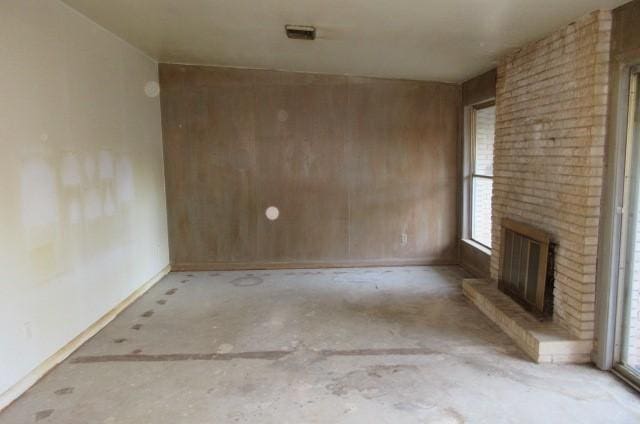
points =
(551, 112)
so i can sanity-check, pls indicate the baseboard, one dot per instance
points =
(41, 370)
(230, 266)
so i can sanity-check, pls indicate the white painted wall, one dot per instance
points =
(82, 203)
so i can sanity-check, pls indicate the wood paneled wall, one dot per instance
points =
(351, 163)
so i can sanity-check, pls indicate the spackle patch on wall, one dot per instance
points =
(109, 205)
(105, 165)
(39, 215)
(74, 211)
(89, 167)
(92, 204)
(124, 180)
(39, 193)
(71, 172)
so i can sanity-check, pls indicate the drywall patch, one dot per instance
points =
(124, 180)
(71, 172)
(39, 193)
(75, 214)
(109, 204)
(89, 167)
(105, 165)
(92, 204)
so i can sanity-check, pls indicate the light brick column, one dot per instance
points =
(551, 109)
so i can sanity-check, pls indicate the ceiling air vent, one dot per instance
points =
(300, 32)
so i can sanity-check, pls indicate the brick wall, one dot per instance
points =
(551, 106)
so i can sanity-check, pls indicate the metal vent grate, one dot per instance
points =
(524, 271)
(300, 32)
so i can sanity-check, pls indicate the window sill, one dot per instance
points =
(478, 246)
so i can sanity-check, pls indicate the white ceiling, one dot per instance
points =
(440, 40)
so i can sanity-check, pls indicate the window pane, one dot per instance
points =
(485, 122)
(481, 210)
(630, 355)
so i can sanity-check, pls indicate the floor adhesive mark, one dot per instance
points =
(268, 355)
(136, 326)
(161, 301)
(122, 340)
(225, 348)
(41, 415)
(246, 281)
(172, 357)
(457, 416)
(171, 292)
(64, 391)
(410, 351)
(148, 313)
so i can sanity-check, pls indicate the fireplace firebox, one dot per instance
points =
(526, 267)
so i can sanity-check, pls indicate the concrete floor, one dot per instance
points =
(379, 345)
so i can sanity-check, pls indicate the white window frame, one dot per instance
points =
(611, 242)
(625, 248)
(472, 167)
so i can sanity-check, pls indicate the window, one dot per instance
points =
(628, 342)
(483, 123)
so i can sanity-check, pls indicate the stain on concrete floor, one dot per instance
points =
(64, 391)
(248, 281)
(400, 346)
